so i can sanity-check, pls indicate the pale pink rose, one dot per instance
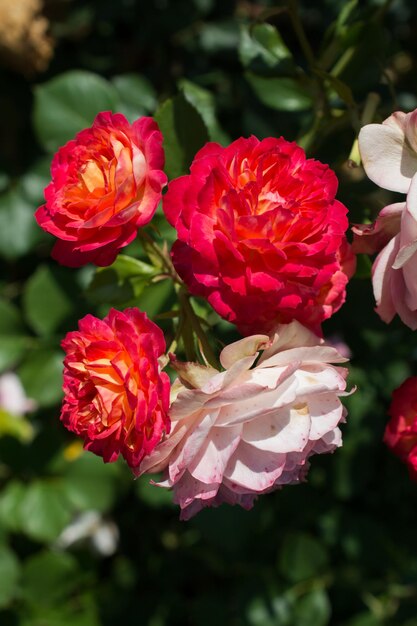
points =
(243, 432)
(389, 155)
(394, 272)
(13, 398)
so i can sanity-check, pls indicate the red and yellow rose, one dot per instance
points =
(106, 183)
(116, 397)
(261, 235)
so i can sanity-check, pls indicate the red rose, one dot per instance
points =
(116, 397)
(401, 431)
(260, 234)
(106, 183)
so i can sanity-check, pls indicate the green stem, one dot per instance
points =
(163, 256)
(370, 108)
(343, 62)
(301, 36)
(192, 318)
(322, 106)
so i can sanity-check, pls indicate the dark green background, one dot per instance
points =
(340, 549)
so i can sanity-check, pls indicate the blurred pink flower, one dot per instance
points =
(243, 432)
(13, 398)
(401, 431)
(389, 155)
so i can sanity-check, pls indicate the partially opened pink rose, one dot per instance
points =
(389, 155)
(251, 429)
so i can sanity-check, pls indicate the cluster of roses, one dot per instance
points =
(389, 155)
(262, 238)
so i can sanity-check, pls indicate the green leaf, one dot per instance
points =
(41, 376)
(48, 578)
(155, 497)
(10, 318)
(11, 499)
(155, 298)
(184, 131)
(13, 344)
(367, 619)
(345, 14)
(4, 181)
(313, 609)
(281, 94)
(45, 302)
(68, 103)
(219, 36)
(121, 282)
(269, 613)
(15, 426)
(44, 511)
(88, 483)
(18, 229)
(12, 349)
(264, 41)
(9, 576)
(33, 183)
(77, 611)
(203, 101)
(301, 557)
(137, 95)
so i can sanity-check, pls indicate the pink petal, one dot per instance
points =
(262, 404)
(400, 297)
(387, 159)
(313, 354)
(189, 488)
(289, 336)
(254, 471)
(248, 346)
(371, 238)
(284, 430)
(326, 411)
(211, 461)
(382, 275)
(190, 445)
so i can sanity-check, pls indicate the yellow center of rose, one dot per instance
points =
(92, 176)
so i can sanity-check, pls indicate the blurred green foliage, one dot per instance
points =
(340, 549)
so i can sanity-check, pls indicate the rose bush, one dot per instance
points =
(242, 432)
(106, 183)
(116, 397)
(401, 431)
(260, 234)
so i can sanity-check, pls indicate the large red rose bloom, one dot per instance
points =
(116, 397)
(260, 234)
(106, 183)
(401, 431)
